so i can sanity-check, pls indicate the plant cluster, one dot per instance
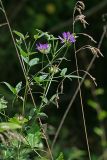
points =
(24, 135)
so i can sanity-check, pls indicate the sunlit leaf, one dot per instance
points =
(102, 115)
(34, 136)
(9, 126)
(18, 87)
(19, 34)
(63, 72)
(98, 131)
(99, 91)
(26, 59)
(61, 157)
(36, 36)
(18, 120)
(22, 52)
(40, 79)
(76, 153)
(12, 89)
(87, 83)
(33, 62)
(41, 114)
(92, 104)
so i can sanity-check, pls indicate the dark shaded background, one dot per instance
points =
(55, 16)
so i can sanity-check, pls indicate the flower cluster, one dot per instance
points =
(43, 48)
(66, 38)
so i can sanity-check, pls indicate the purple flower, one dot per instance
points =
(43, 48)
(67, 38)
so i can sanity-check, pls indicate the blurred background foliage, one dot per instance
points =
(55, 16)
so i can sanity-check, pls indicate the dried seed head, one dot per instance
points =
(15, 135)
(94, 50)
(81, 18)
(79, 10)
(80, 5)
(97, 52)
(9, 136)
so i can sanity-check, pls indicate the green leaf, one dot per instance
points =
(36, 36)
(19, 34)
(34, 128)
(31, 113)
(40, 79)
(87, 83)
(61, 157)
(63, 72)
(9, 126)
(3, 103)
(98, 131)
(18, 120)
(92, 104)
(33, 62)
(102, 115)
(42, 115)
(22, 52)
(39, 31)
(18, 42)
(18, 87)
(76, 153)
(26, 59)
(99, 91)
(12, 89)
(34, 139)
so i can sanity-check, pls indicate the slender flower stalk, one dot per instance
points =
(43, 48)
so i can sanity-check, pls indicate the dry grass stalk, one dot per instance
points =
(10, 136)
(80, 7)
(94, 50)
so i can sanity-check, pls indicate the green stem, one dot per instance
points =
(46, 89)
(24, 99)
(49, 84)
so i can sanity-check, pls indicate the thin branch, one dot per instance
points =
(3, 24)
(80, 91)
